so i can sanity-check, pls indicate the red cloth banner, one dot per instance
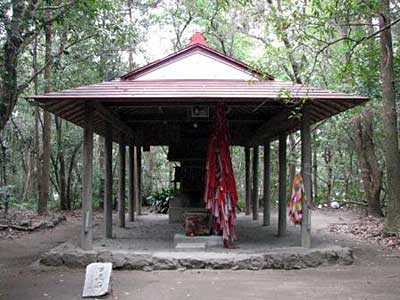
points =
(220, 193)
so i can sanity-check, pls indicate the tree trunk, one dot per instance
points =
(292, 161)
(62, 178)
(391, 145)
(315, 170)
(9, 83)
(371, 173)
(45, 172)
(328, 158)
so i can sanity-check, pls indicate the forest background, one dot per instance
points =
(346, 45)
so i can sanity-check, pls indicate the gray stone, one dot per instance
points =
(313, 259)
(288, 258)
(118, 260)
(209, 240)
(268, 262)
(104, 256)
(255, 263)
(345, 256)
(26, 223)
(165, 264)
(292, 262)
(97, 280)
(79, 259)
(220, 264)
(331, 257)
(52, 258)
(138, 261)
(190, 263)
(196, 246)
(277, 262)
(49, 224)
(240, 263)
(147, 269)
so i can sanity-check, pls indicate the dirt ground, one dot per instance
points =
(374, 275)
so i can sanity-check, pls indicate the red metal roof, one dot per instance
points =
(150, 104)
(171, 90)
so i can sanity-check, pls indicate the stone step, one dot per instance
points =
(210, 240)
(191, 246)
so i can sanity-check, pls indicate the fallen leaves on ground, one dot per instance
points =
(367, 229)
(26, 219)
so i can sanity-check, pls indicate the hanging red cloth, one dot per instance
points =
(220, 193)
(296, 200)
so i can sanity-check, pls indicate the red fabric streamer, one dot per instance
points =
(220, 193)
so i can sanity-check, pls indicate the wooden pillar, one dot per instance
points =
(306, 173)
(139, 179)
(121, 198)
(267, 184)
(131, 183)
(108, 182)
(247, 180)
(254, 194)
(136, 181)
(282, 186)
(87, 178)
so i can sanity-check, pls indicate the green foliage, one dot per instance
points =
(316, 41)
(159, 201)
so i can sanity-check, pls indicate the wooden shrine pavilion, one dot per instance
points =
(170, 102)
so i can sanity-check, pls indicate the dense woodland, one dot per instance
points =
(346, 45)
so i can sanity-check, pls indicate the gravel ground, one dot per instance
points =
(374, 275)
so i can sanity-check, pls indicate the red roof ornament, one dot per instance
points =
(198, 38)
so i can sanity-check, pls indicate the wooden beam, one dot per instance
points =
(121, 198)
(279, 123)
(254, 194)
(282, 185)
(306, 173)
(139, 179)
(114, 119)
(247, 180)
(87, 177)
(267, 184)
(131, 185)
(108, 181)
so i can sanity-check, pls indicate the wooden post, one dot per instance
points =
(282, 186)
(131, 185)
(247, 180)
(121, 198)
(306, 173)
(136, 180)
(87, 178)
(267, 184)
(139, 179)
(108, 182)
(255, 183)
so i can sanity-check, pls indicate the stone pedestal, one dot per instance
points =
(210, 241)
(185, 201)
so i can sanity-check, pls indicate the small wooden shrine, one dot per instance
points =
(170, 102)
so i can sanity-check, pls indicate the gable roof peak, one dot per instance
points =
(198, 38)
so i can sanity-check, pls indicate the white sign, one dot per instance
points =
(97, 280)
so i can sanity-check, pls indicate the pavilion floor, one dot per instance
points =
(152, 232)
(147, 244)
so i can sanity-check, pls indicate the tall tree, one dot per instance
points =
(46, 155)
(391, 145)
(370, 170)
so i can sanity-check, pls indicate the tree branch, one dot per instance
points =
(24, 85)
